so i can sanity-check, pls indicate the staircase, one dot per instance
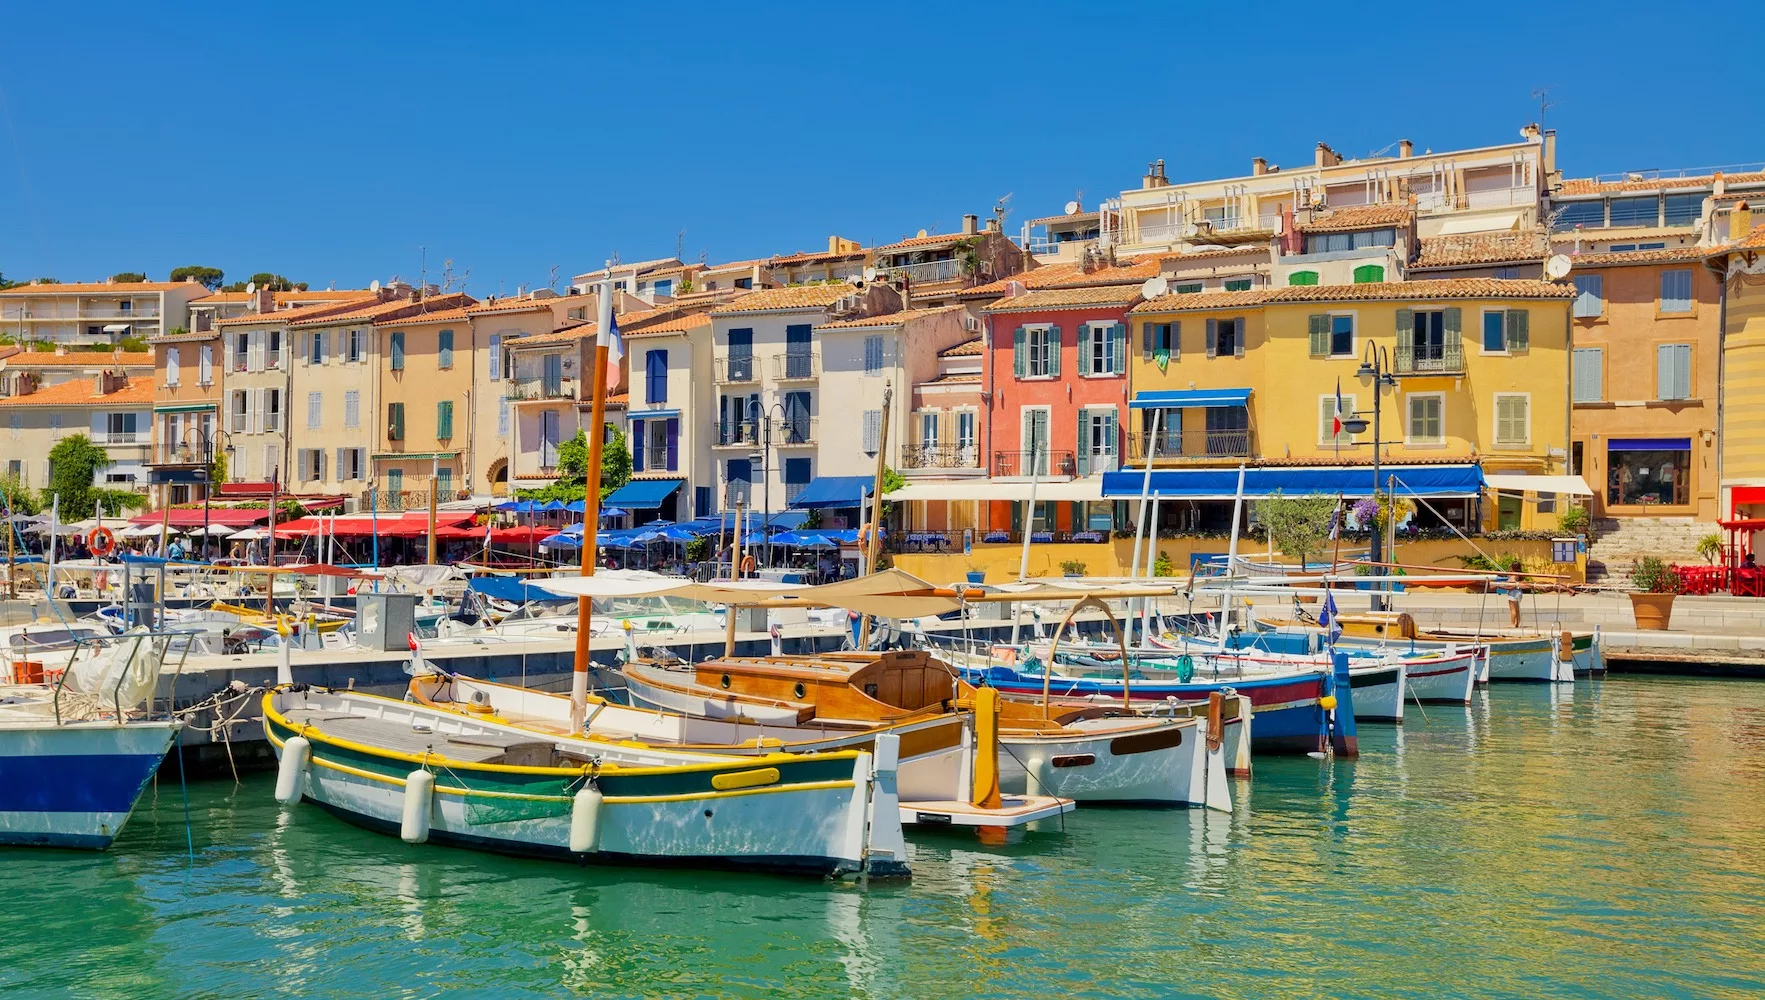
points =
(1622, 541)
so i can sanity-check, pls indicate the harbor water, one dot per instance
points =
(1604, 841)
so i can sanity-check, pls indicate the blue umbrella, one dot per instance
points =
(609, 511)
(551, 505)
(576, 506)
(675, 533)
(562, 541)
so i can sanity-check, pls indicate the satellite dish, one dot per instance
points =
(251, 288)
(1190, 230)
(921, 236)
(1072, 208)
(870, 274)
(1154, 286)
(1557, 267)
(374, 286)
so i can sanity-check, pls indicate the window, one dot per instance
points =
(1588, 214)
(1644, 211)
(1227, 427)
(273, 356)
(1513, 420)
(1426, 416)
(1507, 273)
(1633, 247)
(799, 353)
(315, 354)
(1225, 337)
(395, 421)
(16, 421)
(1036, 351)
(744, 282)
(351, 463)
(1186, 288)
(659, 441)
(396, 349)
(502, 416)
(548, 439)
(1368, 274)
(240, 408)
(797, 473)
(1035, 442)
(665, 286)
(205, 365)
(1102, 349)
(873, 354)
(872, 431)
(655, 364)
(121, 427)
(494, 367)
(1097, 441)
(702, 494)
(352, 410)
(444, 419)
(1236, 284)
(1506, 330)
(354, 350)
(444, 482)
(242, 352)
(1683, 209)
(1337, 242)
(314, 410)
(796, 429)
(1673, 371)
(395, 481)
(1159, 341)
(1589, 374)
(928, 429)
(1648, 471)
(965, 436)
(741, 355)
(1589, 296)
(1547, 504)
(1328, 413)
(739, 480)
(272, 409)
(1332, 335)
(171, 367)
(309, 464)
(444, 349)
(1303, 278)
(1676, 291)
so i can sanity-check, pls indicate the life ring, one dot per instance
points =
(748, 564)
(98, 535)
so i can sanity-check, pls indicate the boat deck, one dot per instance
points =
(1015, 810)
(399, 737)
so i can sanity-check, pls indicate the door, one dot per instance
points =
(1035, 443)
(1507, 513)
(552, 376)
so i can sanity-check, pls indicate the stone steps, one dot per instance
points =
(1620, 542)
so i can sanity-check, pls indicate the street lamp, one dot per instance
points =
(1375, 371)
(760, 415)
(206, 474)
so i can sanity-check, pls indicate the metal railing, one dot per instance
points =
(1046, 463)
(396, 501)
(737, 369)
(923, 272)
(563, 387)
(159, 649)
(122, 437)
(796, 365)
(1428, 359)
(794, 431)
(735, 432)
(1196, 443)
(921, 455)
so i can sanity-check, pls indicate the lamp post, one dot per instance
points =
(207, 472)
(761, 415)
(1375, 371)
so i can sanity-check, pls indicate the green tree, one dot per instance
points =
(1298, 525)
(4, 283)
(74, 464)
(615, 462)
(266, 279)
(208, 277)
(16, 498)
(129, 276)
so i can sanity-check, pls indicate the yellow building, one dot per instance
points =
(1741, 267)
(1478, 374)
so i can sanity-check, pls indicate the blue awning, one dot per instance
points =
(643, 494)
(1222, 484)
(1167, 399)
(833, 491)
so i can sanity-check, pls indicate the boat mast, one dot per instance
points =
(876, 504)
(591, 497)
(1232, 554)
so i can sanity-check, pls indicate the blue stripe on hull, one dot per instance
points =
(78, 783)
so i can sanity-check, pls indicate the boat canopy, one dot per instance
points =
(890, 593)
(1430, 481)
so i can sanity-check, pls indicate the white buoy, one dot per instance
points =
(419, 795)
(291, 771)
(585, 820)
(1032, 776)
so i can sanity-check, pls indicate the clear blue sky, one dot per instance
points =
(329, 144)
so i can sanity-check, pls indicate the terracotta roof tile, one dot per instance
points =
(103, 287)
(1257, 249)
(1344, 220)
(679, 324)
(973, 347)
(921, 242)
(510, 305)
(813, 256)
(373, 313)
(563, 334)
(945, 379)
(80, 359)
(637, 268)
(886, 319)
(1589, 185)
(1754, 240)
(1069, 217)
(1621, 258)
(78, 392)
(290, 298)
(284, 316)
(1424, 290)
(442, 316)
(1479, 248)
(1067, 298)
(1192, 301)
(788, 299)
(734, 265)
(185, 338)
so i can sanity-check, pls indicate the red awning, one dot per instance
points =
(407, 525)
(1741, 495)
(453, 532)
(523, 535)
(191, 517)
(1744, 524)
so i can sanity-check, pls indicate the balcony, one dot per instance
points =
(1429, 359)
(793, 432)
(1198, 443)
(121, 437)
(528, 389)
(923, 273)
(395, 501)
(796, 366)
(1019, 464)
(120, 314)
(736, 370)
(921, 455)
(731, 433)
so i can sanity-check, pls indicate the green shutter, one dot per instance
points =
(1406, 325)
(1519, 330)
(1017, 354)
(1303, 278)
(1111, 438)
(1054, 351)
(1083, 451)
(1084, 348)
(1119, 357)
(1319, 325)
(1368, 274)
(444, 419)
(397, 341)
(1451, 328)
(1213, 337)
(1176, 340)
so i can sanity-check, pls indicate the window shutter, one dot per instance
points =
(397, 348)
(1319, 325)
(1368, 274)
(1146, 346)
(872, 431)
(1589, 374)
(342, 464)
(1450, 323)
(1519, 330)
(1684, 370)
(637, 446)
(227, 351)
(445, 349)
(257, 411)
(205, 364)
(1109, 441)
(301, 463)
(1213, 337)
(254, 355)
(1083, 451)
(1054, 343)
(1406, 325)
(444, 419)
(1017, 355)
(495, 357)
(673, 444)
(1084, 349)
(1118, 358)
(319, 456)
(1240, 330)
(1176, 340)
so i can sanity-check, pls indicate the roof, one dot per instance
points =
(1070, 275)
(679, 324)
(886, 319)
(356, 313)
(1621, 258)
(1067, 298)
(1593, 185)
(517, 304)
(633, 267)
(1068, 217)
(80, 359)
(103, 287)
(562, 335)
(970, 348)
(952, 377)
(787, 299)
(813, 256)
(79, 392)
(321, 295)
(920, 242)
(1425, 290)
(1754, 240)
(184, 338)
(1479, 248)
(283, 316)
(1205, 300)
(1359, 217)
(443, 316)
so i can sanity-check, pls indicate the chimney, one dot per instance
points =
(1325, 156)
(971, 224)
(993, 225)
(1258, 166)
(1405, 149)
(1740, 221)
(265, 301)
(1154, 176)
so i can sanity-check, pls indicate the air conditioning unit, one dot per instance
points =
(352, 505)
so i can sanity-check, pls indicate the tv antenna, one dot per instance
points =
(552, 278)
(1542, 95)
(679, 244)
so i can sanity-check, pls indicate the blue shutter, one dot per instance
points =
(637, 439)
(673, 456)
(656, 371)
(496, 357)
(397, 341)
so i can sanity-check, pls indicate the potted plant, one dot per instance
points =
(977, 576)
(1073, 567)
(1653, 584)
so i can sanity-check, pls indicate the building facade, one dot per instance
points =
(96, 312)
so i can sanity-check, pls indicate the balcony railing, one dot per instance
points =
(121, 437)
(920, 455)
(272, 423)
(1197, 443)
(738, 432)
(736, 370)
(563, 387)
(1045, 463)
(394, 501)
(796, 365)
(238, 425)
(924, 272)
(1429, 359)
(794, 431)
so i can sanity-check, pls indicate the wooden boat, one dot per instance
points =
(1512, 655)
(1094, 756)
(434, 775)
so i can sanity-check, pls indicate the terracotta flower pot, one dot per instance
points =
(1652, 611)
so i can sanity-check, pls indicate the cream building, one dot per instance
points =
(96, 312)
(899, 351)
(109, 406)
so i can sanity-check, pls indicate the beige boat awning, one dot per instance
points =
(1088, 488)
(1513, 483)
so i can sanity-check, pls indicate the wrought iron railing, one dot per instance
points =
(1429, 359)
(796, 365)
(1044, 463)
(736, 369)
(920, 455)
(1197, 443)
(563, 387)
(923, 272)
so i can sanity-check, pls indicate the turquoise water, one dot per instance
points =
(1604, 843)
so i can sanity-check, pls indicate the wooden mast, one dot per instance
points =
(591, 498)
(876, 506)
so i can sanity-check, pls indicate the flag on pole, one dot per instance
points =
(615, 350)
(1336, 424)
(1336, 521)
(1327, 618)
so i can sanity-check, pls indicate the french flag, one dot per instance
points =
(1336, 423)
(615, 350)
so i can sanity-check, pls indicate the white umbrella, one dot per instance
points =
(249, 535)
(213, 529)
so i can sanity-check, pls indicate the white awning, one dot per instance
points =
(1088, 488)
(1514, 483)
(116, 328)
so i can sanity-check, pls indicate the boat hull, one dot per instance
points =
(1527, 660)
(1378, 692)
(75, 785)
(1448, 679)
(1159, 766)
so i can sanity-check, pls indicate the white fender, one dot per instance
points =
(585, 820)
(1034, 769)
(1218, 794)
(419, 796)
(291, 771)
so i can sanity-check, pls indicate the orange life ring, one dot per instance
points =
(101, 534)
(748, 564)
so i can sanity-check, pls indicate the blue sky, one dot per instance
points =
(331, 143)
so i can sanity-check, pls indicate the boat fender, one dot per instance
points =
(1185, 668)
(585, 820)
(419, 795)
(291, 771)
(1327, 702)
(1566, 647)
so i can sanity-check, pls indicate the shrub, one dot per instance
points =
(1710, 547)
(1652, 576)
(1073, 567)
(1572, 520)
